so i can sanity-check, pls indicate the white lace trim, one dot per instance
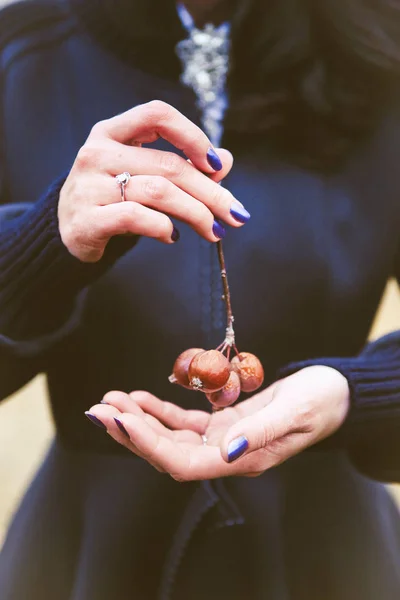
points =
(205, 60)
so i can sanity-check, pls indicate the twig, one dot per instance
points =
(230, 333)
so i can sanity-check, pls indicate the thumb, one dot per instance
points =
(257, 431)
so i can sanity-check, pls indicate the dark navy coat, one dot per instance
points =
(306, 273)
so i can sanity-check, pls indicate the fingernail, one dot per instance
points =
(95, 420)
(175, 235)
(104, 402)
(237, 447)
(239, 213)
(218, 230)
(214, 160)
(121, 427)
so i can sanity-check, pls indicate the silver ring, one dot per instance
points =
(123, 179)
(205, 440)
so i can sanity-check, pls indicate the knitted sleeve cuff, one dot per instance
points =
(370, 433)
(39, 279)
(373, 377)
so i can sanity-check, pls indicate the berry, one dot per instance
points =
(209, 371)
(250, 371)
(181, 367)
(229, 393)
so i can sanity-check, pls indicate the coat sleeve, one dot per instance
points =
(41, 284)
(371, 432)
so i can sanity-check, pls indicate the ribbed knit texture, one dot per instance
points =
(371, 430)
(39, 278)
(373, 376)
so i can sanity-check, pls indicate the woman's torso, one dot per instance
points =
(306, 277)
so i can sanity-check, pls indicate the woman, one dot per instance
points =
(313, 126)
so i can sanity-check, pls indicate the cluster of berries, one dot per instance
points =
(211, 372)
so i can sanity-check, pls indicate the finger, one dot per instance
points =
(147, 122)
(257, 431)
(133, 218)
(112, 158)
(126, 404)
(175, 169)
(160, 194)
(106, 415)
(110, 416)
(227, 162)
(172, 415)
(184, 435)
(184, 462)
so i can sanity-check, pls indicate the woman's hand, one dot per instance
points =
(163, 184)
(246, 439)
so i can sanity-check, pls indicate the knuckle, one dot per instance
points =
(157, 110)
(201, 218)
(264, 436)
(219, 199)
(155, 188)
(198, 138)
(103, 229)
(121, 222)
(68, 236)
(167, 410)
(141, 396)
(276, 453)
(98, 128)
(75, 238)
(113, 396)
(172, 165)
(179, 477)
(162, 228)
(227, 197)
(73, 230)
(126, 217)
(87, 156)
(165, 229)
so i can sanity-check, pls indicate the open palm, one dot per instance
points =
(268, 428)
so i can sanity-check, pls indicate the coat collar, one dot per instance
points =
(142, 32)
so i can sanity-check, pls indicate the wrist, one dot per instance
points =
(335, 389)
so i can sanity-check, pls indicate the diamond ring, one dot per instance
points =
(123, 179)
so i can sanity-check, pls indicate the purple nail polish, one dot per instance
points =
(121, 427)
(95, 420)
(104, 402)
(214, 160)
(239, 213)
(237, 448)
(175, 235)
(218, 230)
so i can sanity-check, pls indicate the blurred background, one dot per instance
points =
(26, 428)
